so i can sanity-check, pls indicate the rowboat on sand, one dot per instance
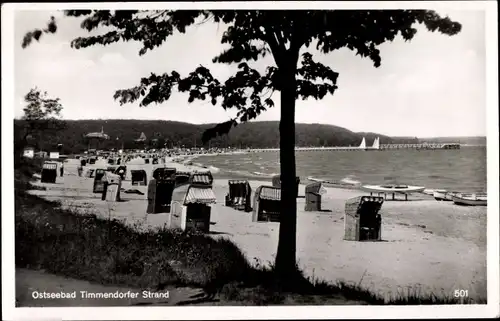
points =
(468, 199)
(392, 189)
(443, 195)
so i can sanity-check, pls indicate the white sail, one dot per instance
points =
(363, 143)
(376, 143)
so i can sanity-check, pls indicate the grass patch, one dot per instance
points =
(108, 252)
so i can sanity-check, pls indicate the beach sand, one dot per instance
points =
(427, 246)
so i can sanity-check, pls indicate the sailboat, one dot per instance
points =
(376, 143)
(363, 144)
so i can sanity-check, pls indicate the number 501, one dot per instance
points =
(461, 293)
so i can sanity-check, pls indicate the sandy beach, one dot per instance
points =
(427, 246)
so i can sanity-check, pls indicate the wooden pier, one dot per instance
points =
(423, 146)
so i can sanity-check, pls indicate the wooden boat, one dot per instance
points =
(392, 188)
(468, 199)
(443, 195)
(440, 195)
(429, 191)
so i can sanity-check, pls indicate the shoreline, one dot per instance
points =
(221, 173)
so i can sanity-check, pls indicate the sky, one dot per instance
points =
(434, 85)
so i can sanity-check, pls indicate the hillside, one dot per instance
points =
(253, 134)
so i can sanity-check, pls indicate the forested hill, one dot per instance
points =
(253, 134)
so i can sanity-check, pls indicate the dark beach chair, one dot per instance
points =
(49, 173)
(362, 220)
(160, 190)
(239, 196)
(313, 197)
(139, 177)
(267, 204)
(99, 180)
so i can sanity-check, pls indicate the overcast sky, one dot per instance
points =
(431, 86)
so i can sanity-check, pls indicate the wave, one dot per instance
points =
(350, 180)
(340, 172)
(264, 174)
(214, 169)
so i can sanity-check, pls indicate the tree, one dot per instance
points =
(41, 115)
(252, 35)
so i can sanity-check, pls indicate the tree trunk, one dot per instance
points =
(285, 257)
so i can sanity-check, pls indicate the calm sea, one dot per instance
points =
(459, 170)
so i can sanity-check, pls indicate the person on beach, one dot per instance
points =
(61, 169)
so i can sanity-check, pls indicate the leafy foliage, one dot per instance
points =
(37, 33)
(39, 106)
(251, 35)
(41, 116)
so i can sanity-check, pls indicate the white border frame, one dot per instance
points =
(492, 309)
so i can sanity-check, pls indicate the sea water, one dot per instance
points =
(457, 170)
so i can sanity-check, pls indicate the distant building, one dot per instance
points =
(54, 155)
(29, 152)
(141, 138)
(96, 137)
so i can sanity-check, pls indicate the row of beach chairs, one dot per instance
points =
(170, 191)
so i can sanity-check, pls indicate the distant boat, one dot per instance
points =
(440, 195)
(392, 188)
(467, 199)
(443, 195)
(363, 144)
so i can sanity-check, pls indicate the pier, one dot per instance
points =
(312, 149)
(376, 147)
(420, 146)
